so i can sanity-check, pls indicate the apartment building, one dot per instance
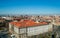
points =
(26, 28)
(56, 27)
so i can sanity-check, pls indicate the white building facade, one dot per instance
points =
(29, 31)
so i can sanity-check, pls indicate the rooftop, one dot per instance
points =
(27, 23)
(57, 23)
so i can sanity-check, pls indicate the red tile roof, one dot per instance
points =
(27, 23)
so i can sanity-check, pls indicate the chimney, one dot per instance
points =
(37, 21)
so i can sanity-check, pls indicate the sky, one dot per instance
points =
(29, 7)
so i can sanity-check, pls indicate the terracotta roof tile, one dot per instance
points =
(27, 23)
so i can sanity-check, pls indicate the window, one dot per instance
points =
(12, 28)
